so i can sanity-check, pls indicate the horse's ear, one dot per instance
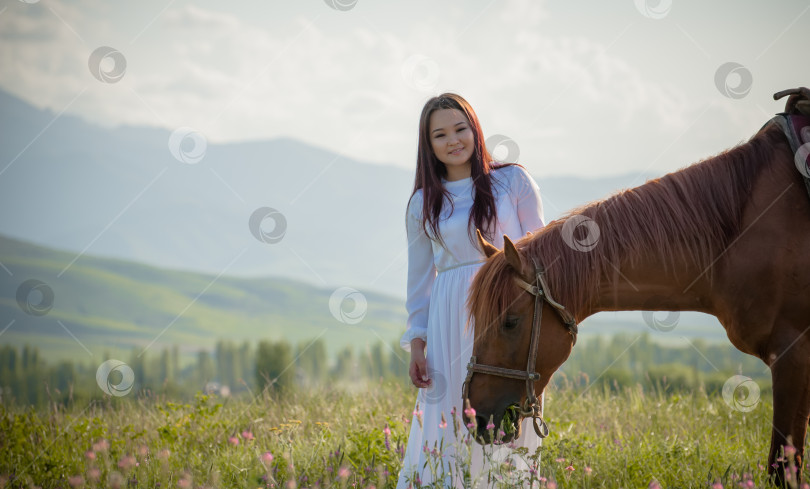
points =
(488, 248)
(512, 254)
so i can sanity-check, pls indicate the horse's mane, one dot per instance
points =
(691, 214)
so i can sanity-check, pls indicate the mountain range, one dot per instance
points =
(121, 192)
(172, 213)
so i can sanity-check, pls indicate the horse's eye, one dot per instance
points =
(511, 322)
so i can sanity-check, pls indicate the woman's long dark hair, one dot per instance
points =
(430, 171)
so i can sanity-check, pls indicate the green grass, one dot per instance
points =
(335, 438)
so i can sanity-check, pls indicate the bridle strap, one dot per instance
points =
(542, 290)
(532, 406)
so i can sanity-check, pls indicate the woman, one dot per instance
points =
(458, 188)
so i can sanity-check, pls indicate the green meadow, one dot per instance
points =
(339, 437)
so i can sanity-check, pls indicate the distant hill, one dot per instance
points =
(115, 305)
(119, 192)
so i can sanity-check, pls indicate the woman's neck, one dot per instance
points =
(458, 172)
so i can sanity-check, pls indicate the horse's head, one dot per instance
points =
(502, 313)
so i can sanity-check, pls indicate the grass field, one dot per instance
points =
(339, 438)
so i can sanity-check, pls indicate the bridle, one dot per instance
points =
(532, 406)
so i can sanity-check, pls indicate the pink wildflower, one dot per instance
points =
(470, 413)
(490, 426)
(343, 473)
(560, 460)
(93, 474)
(588, 470)
(90, 454)
(267, 457)
(387, 433)
(790, 450)
(570, 468)
(654, 485)
(127, 463)
(233, 440)
(101, 445)
(76, 481)
(717, 485)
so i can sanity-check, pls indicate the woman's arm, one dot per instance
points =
(527, 198)
(421, 274)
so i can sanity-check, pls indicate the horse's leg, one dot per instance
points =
(790, 371)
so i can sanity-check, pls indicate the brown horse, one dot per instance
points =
(728, 236)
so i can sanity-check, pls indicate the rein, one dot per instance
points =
(532, 405)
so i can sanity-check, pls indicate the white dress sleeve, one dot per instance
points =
(421, 275)
(527, 199)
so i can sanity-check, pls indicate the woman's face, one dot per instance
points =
(452, 140)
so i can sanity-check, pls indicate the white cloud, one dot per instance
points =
(341, 85)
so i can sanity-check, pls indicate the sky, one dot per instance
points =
(581, 87)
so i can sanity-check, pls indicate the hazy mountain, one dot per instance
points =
(121, 193)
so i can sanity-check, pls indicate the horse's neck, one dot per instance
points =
(646, 286)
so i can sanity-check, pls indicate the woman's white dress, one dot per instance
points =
(438, 281)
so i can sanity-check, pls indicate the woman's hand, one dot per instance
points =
(418, 368)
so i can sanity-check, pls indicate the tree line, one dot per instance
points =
(228, 369)
(232, 369)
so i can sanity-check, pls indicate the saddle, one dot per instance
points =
(795, 123)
